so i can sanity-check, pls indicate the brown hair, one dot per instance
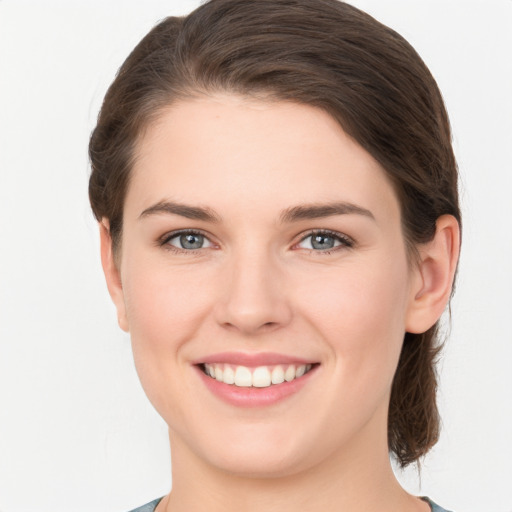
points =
(323, 53)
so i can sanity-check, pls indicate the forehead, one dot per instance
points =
(247, 156)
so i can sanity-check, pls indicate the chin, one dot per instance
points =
(267, 464)
(257, 451)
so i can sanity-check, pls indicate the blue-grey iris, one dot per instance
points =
(191, 241)
(322, 242)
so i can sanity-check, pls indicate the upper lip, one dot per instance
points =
(252, 359)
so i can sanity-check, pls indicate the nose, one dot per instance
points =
(253, 298)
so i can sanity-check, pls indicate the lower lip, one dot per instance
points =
(255, 397)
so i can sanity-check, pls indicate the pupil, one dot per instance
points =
(191, 241)
(322, 242)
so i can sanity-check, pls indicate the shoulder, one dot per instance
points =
(434, 506)
(148, 507)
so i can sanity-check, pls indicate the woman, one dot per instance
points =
(277, 199)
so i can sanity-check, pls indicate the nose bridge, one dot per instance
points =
(254, 297)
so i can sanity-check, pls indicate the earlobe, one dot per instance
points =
(112, 275)
(434, 275)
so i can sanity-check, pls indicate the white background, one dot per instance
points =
(76, 431)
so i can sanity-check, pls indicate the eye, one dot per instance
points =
(187, 241)
(324, 241)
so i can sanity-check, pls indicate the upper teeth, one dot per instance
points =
(260, 377)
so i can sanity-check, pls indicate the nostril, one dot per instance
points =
(248, 326)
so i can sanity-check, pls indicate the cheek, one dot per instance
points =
(165, 308)
(360, 312)
(164, 304)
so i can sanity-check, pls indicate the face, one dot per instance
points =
(265, 284)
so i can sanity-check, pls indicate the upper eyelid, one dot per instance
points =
(334, 234)
(173, 234)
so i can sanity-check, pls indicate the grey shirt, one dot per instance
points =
(150, 507)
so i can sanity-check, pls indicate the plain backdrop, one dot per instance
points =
(76, 431)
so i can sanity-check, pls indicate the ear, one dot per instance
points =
(433, 276)
(112, 275)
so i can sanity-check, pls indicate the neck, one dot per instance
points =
(353, 479)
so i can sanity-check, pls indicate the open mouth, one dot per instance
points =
(258, 377)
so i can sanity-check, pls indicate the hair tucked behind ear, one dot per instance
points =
(323, 53)
(413, 419)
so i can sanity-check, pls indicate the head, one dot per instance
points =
(323, 56)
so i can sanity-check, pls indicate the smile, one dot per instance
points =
(259, 377)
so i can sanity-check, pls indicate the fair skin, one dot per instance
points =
(268, 271)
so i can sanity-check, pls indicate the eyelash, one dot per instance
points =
(345, 241)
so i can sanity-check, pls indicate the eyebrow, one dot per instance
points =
(292, 214)
(317, 211)
(190, 212)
